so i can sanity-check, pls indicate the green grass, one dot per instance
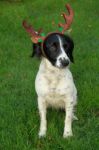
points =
(19, 117)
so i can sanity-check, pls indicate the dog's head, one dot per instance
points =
(57, 48)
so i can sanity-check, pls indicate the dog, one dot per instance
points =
(54, 82)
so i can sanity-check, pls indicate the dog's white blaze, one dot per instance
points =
(62, 55)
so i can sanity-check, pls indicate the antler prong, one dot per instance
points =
(35, 35)
(38, 36)
(68, 19)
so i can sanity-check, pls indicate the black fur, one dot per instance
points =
(69, 48)
(36, 50)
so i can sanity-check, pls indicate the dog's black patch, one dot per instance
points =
(36, 50)
(68, 47)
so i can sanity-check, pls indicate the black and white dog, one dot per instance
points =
(54, 82)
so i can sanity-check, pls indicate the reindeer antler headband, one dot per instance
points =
(38, 36)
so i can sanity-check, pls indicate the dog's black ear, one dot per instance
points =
(71, 47)
(71, 57)
(36, 50)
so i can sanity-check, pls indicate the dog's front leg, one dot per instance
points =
(68, 119)
(42, 111)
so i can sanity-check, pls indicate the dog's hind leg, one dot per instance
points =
(43, 121)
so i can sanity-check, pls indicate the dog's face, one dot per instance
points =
(58, 49)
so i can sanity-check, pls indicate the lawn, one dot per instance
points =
(19, 117)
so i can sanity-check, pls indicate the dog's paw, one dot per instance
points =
(42, 134)
(67, 134)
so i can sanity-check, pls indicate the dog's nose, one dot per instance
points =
(65, 62)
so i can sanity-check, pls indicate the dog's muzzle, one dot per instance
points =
(64, 62)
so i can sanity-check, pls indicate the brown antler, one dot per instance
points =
(35, 37)
(68, 19)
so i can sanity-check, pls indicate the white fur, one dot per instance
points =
(63, 55)
(55, 88)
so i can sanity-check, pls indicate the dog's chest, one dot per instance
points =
(56, 92)
(53, 88)
(54, 85)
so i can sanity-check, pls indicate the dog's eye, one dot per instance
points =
(53, 47)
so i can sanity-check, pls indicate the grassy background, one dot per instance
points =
(19, 118)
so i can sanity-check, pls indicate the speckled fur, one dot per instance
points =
(55, 88)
